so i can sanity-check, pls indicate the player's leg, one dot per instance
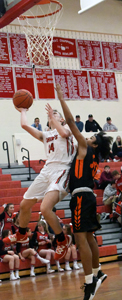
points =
(91, 282)
(49, 201)
(25, 211)
(95, 257)
(24, 218)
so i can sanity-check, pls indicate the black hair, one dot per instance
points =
(36, 119)
(115, 172)
(104, 144)
(7, 206)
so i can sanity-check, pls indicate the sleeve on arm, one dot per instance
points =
(2, 216)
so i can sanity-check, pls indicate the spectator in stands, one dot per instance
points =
(78, 123)
(71, 250)
(91, 125)
(105, 178)
(118, 180)
(117, 147)
(111, 155)
(7, 255)
(42, 238)
(110, 194)
(108, 126)
(25, 250)
(36, 124)
(97, 176)
(6, 217)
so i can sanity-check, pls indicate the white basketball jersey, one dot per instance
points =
(58, 149)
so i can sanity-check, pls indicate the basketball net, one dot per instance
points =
(39, 27)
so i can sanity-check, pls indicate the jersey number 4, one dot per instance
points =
(51, 147)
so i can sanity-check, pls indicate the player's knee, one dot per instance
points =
(44, 210)
(24, 205)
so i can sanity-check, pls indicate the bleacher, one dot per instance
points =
(12, 192)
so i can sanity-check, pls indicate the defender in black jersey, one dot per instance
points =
(83, 202)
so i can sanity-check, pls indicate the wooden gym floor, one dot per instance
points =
(63, 286)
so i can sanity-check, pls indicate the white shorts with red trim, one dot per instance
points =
(53, 177)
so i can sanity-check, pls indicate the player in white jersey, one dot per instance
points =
(51, 184)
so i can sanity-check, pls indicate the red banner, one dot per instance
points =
(4, 53)
(103, 85)
(74, 83)
(6, 82)
(18, 45)
(45, 84)
(112, 53)
(24, 79)
(64, 47)
(90, 54)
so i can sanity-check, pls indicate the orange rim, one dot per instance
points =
(23, 17)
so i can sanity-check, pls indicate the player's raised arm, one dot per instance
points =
(70, 120)
(24, 124)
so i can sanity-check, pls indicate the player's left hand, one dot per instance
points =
(49, 110)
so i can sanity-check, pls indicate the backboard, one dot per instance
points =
(87, 4)
(15, 8)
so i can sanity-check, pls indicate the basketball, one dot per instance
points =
(22, 99)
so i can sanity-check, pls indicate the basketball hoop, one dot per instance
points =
(39, 27)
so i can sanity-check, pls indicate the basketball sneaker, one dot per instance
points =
(12, 277)
(50, 271)
(62, 247)
(21, 238)
(101, 275)
(91, 289)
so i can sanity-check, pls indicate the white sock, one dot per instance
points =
(32, 268)
(12, 272)
(57, 264)
(48, 266)
(17, 273)
(40, 258)
(67, 264)
(95, 271)
(89, 278)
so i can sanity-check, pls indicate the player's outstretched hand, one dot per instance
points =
(59, 92)
(49, 110)
(21, 109)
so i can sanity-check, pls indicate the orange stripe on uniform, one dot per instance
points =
(79, 168)
(77, 213)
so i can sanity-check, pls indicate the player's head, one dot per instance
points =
(116, 175)
(9, 208)
(36, 121)
(57, 116)
(101, 142)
